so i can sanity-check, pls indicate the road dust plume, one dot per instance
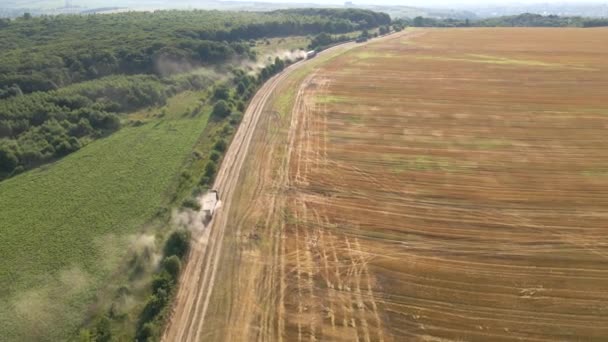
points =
(145, 253)
(191, 220)
(43, 306)
(167, 66)
(286, 55)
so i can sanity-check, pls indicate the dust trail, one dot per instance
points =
(38, 310)
(144, 250)
(188, 219)
(253, 67)
(166, 66)
(192, 220)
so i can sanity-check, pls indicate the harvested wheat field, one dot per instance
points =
(436, 185)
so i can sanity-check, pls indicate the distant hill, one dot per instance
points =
(49, 7)
(520, 20)
(571, 9)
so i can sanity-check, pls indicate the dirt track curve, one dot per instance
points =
(198, 278)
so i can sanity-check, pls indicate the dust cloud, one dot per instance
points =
(38, 310)
(166, 66)
(144, 249)
(188, 219)
(285, 55)
(191, 220)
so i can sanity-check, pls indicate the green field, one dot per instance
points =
(67, 226)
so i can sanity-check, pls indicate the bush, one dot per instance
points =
(177, 244)
(205, 181)
(227, 129)
(236, 118)
(163, 282)
(185, 175)
(241, 88)
(220, 145)
(153, 307)
(103, 332)
(221, 109)
(172, 265)
(240, 106)
(85, 336)
(8, 161)
(191, 203)
(221, 92)
(215, 156)
(147, 331)
(210, 169)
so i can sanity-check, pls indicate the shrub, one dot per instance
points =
(85, 336)
(227, 130)
(177, 244)
(204, 181)
(66, 147)
(8, 161)
(191, 203)
(240, 106)
(220, 145)
(210, 169)
(236, 118)
(221, 92)
(147, 331)
(163, 281)
(221, 109)
(172, 265)
(241, 88)
(185, 175)
(215, 156)
(153, 307)
(102, 330)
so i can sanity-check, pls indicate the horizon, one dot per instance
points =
(410, 3)
(434, 3)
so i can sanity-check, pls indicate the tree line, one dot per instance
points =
(46, 53)
(65, 80)
(228, 99)
(156, 308)
(522, 20)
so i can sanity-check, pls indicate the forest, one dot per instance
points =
(65, 80)
(522, 20)
(44, 53)
(40, 127)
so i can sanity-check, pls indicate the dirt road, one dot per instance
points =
(198, 278)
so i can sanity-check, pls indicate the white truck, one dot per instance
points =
(210, 201)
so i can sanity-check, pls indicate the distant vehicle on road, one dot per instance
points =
(311, 54)
(210, 200)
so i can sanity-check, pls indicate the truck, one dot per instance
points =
(210, 201)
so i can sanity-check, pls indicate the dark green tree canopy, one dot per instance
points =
(221, 109)
(44, 53)
(65, 80)
(521, 20)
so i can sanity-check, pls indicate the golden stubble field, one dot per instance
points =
(439, 185)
